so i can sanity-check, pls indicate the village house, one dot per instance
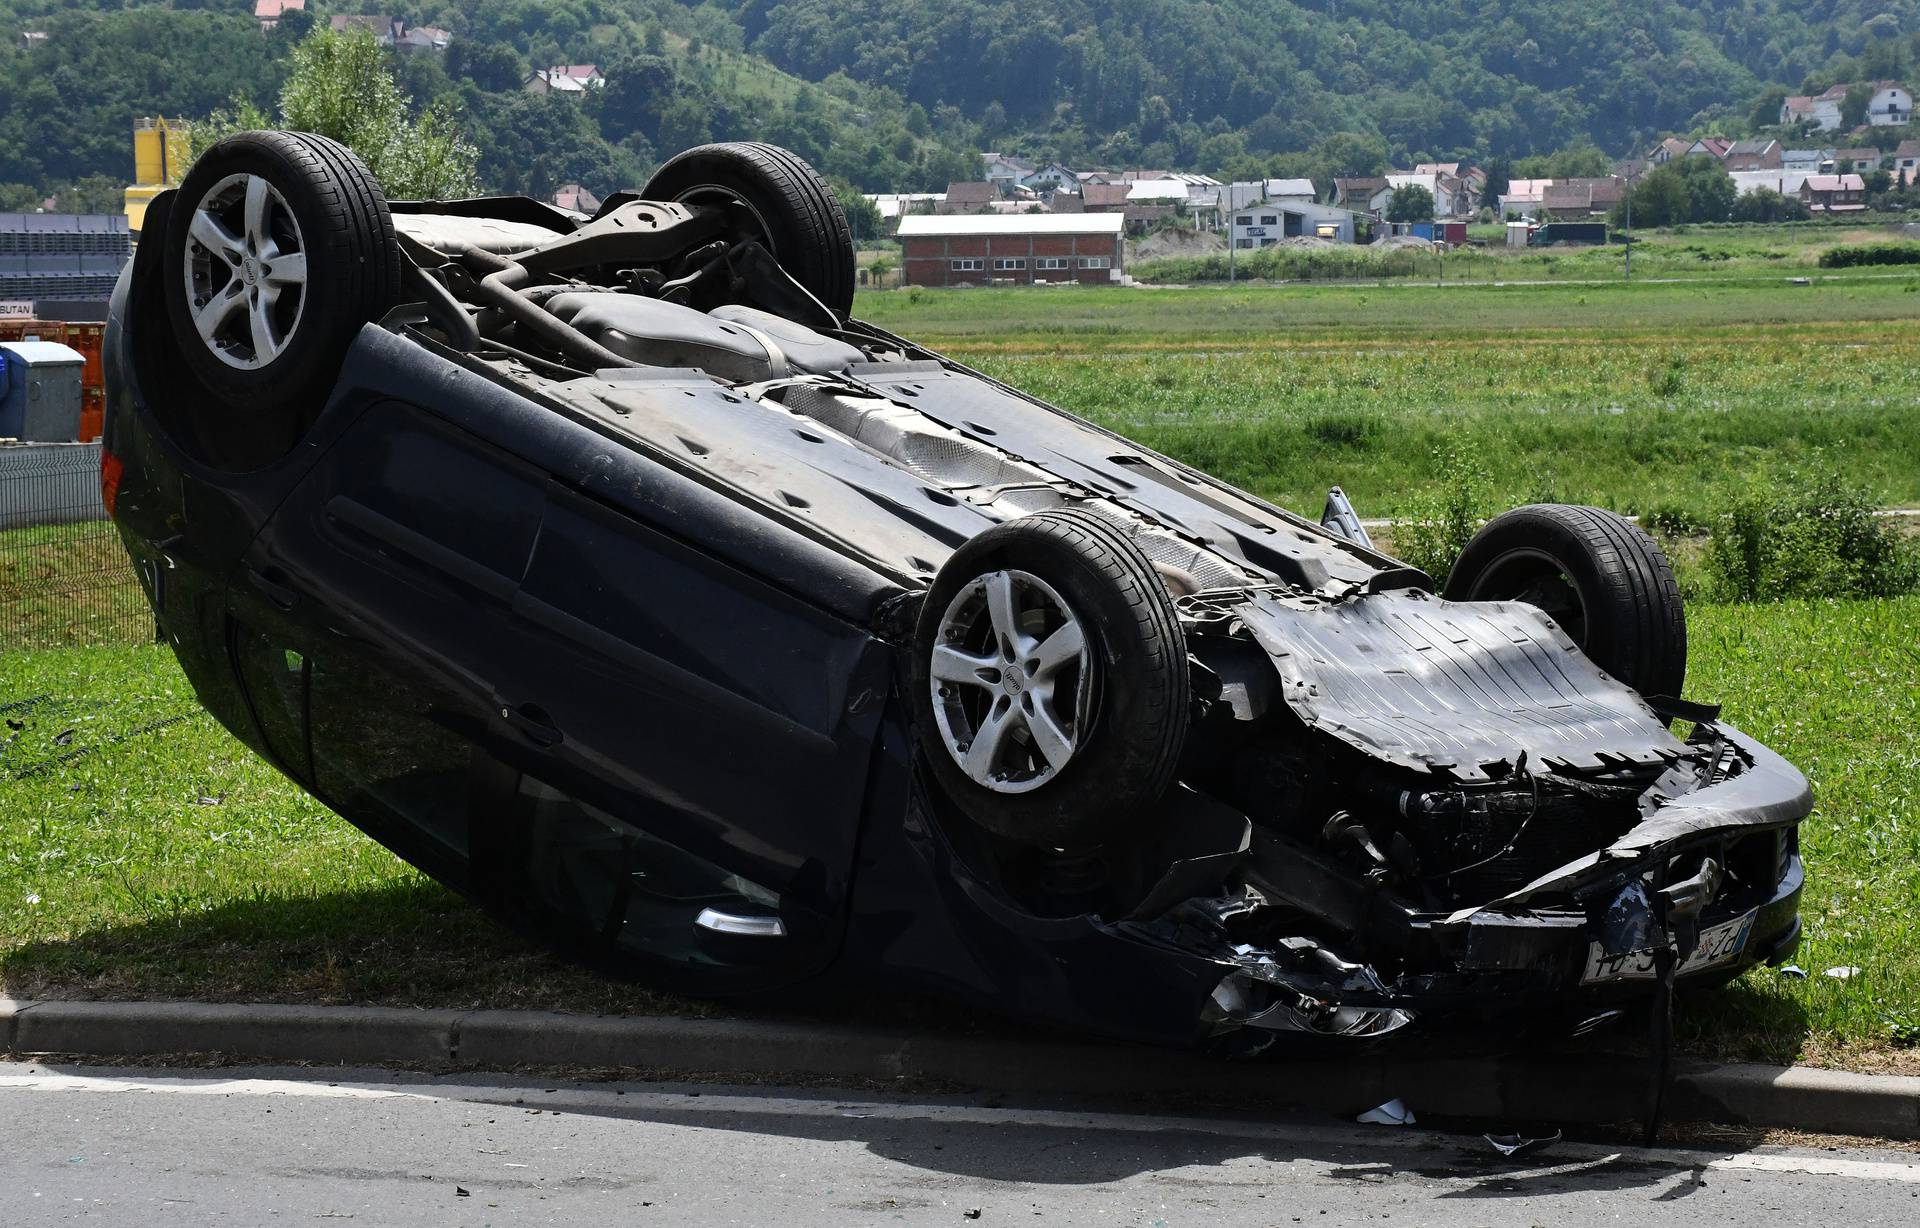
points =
(1006, 169)
(1757, 154)
(1667, 150)
(1834, 193)
(385, 30)
(565, 79)
(1890, 106)
(1785, 182)
(1807, 160)
(1051, 177)
(977, 196)
(424, 38)
(269, 12)
(1368, 194)
(1863, 159)
(1906, 160)
(1576, 200)
(1290, 189)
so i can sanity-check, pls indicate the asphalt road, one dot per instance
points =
(132, 1147)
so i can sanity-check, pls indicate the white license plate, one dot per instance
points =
(1719, 944)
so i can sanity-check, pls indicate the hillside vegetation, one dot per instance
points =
(902, 95)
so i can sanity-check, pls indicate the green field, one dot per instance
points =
(1632, 398)
(147, 854)
(1716, 253)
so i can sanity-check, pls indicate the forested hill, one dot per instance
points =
(903, 94)
(1501, 77)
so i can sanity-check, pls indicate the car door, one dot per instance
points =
(367, 620)
(717, 755)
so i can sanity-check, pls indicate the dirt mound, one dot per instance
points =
(1396, 242)
(1176, 242)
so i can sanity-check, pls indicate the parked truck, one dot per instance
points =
(1556, 233)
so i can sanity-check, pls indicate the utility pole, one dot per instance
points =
(1632, 174)
(1227, 189)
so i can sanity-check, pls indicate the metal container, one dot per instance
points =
(41, 399)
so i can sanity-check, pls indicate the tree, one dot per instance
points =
(491, 66)
(1410, 203)
(1710, 189)
(863, 216)
(1766, 107)
(341, 87)
(1853, 108)
(1659, 199)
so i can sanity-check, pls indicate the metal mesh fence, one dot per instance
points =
(65, 580)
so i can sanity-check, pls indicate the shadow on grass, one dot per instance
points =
(414, 943)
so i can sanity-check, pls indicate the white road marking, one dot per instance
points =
(1567, 1157)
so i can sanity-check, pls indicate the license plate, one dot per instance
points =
(1718, 944)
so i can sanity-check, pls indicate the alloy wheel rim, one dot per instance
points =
(1011, 676)
(246, 272)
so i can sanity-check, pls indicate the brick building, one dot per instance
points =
(1022, 248)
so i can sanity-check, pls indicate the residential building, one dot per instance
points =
(1100, 197)
(269, 12)
(1667, 150)
(1266, 224)
(1451, 195)
(1050, 177)
(1834, 193)
(385, 30)
(1712, 146)
(424, 38)
(1757, 154)
(1022, 249)
(1863, 159)
(1906, 160)
(1890, 106)
(565, 79)
(1576, 200)
(975, 197)
(1007, 169)
(573, 197)
(892, 206)
(1368, 194)
(1523, 197)
(1807, 160)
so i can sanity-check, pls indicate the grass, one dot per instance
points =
(1685, 252)
(1629, 398)
(68, 584)
(173, 863)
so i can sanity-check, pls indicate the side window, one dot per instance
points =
(275, 677)
(639, 894)
(382, 741)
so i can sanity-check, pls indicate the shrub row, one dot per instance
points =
(1870, 253)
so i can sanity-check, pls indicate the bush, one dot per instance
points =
(1808, 532)
(1437, 525)
(1860, 254)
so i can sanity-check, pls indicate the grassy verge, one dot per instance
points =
(1650, 397)
(172, 863)
(63, 585)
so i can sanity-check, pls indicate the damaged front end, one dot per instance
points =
(1394, 810)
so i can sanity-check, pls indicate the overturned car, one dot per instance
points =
(608, 570)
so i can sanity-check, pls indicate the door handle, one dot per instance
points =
(533, 723)
(272, 583)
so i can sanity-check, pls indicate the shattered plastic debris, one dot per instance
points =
(1392, 1113)
(1514, 1146)
(1793, 972)
(1843, 973)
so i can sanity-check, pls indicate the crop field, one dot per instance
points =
(1641, 398)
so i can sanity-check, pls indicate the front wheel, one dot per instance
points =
(1605, 582)
(1052, 688)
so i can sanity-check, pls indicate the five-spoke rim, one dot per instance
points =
(1011, 677)
(246, 271)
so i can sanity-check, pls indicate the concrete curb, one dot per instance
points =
(1572, 1089)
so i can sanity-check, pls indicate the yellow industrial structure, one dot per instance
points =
(160, 158)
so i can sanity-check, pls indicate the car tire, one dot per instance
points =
(1605, 582)
(804, 226)
(1081, 749)
(247, 207)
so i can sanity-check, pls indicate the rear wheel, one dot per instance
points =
(279, 248)
(1052, 687)
(783, 199)
(1605, 582)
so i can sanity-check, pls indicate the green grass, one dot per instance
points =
(68, 584)
(1654, 396)
(173, 863)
